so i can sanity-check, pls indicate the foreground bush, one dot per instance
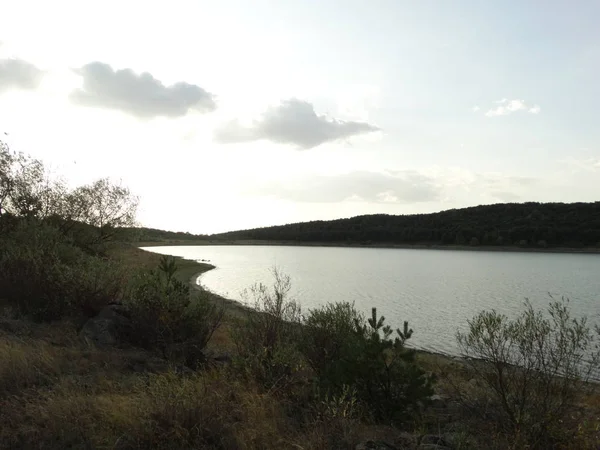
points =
(45, 276)
(267, 339)
(534, 367)
(166, 316)
(347, 351)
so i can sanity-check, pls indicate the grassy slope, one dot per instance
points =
(57, 392)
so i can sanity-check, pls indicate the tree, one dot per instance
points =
(267, 338)
(6, 164)
(534, 367)
(26, 188)
(104, 205)
(346, 350)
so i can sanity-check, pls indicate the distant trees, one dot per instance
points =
(512, 224)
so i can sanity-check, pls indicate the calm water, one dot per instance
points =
(435, 290)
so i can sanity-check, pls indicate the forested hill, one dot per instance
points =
(522, 224)
(142, 234)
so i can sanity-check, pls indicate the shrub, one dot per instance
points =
(267, 338)
(167, 317)
(332, 344)
(45, 276)
(534, 368)
(345, 350)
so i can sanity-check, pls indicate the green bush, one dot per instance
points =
(45, 276)
(267, 339)
(534, 369)
(167, 317)
(345, 350)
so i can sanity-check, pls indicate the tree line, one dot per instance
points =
(532, 224)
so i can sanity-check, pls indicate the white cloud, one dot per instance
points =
(293, 122)
(507, 107)
(19, 74)
(476, 108)
(140, 95)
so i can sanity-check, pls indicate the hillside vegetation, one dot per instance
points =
(106, 346)
(153, 235)
(572, 225)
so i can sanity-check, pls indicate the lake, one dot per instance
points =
(435, 290)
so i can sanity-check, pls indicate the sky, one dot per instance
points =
(234, 114)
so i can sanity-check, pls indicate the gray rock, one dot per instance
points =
(437, 401)
(106, 328)
(432, 447)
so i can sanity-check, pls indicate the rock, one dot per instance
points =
(432, 447)
(106, 328)
(437, 401)
(474, 382)
(374, 445)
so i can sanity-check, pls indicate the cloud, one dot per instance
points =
(142, 95)
(387, 187)
(18, 74)
(507, 107)
(475, 108)
(293, 122)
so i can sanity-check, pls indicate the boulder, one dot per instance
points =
(438, 401)
(105, 329)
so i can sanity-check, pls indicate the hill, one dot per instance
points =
(153, 235)
(573, 225)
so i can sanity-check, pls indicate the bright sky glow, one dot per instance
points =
(232, 114)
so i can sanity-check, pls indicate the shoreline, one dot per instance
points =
(239, 308)
(484, 248)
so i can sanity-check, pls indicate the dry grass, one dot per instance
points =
(157, 411)
(95, 402)
(56, 392)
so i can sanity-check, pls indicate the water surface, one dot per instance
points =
(435, 290)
